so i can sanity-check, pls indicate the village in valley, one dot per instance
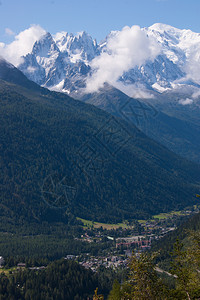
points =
(116, 242)
(125, 238)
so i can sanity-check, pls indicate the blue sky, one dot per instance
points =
(97, 17)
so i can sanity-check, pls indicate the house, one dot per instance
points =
(21, 265)
(70, 257)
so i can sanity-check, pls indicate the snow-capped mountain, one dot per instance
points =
(181, 48)
(79, 47)
(63, 62)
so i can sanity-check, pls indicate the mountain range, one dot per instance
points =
(125, 151)
(63, 62)
(166, 87)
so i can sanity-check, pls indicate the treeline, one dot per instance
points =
(49, 247)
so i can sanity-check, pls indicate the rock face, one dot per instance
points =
(63, 62)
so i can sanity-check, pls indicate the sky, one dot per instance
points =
(97, 17)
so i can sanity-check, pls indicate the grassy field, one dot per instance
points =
(177, 213)
(142, 221)
(89, 224)
(162, 216)
(6, 271)
(168, 215)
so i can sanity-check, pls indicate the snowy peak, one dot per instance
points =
(79, 47)
(171, 31)
(173, 38)
(45, 47)
(182, 47)
(160, 27)
(61, 40)
(60, 62)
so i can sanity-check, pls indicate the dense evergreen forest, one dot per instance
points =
(62, 279)
(46, 247)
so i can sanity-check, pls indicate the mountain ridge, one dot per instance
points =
(71, 64)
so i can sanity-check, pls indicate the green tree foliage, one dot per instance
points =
(116, 292)
(186, 267)
(65, 280)
(166, 245)
(144, 281)
(47, 248)
(62, 279)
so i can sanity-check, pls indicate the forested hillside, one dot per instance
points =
(60, 156)
(162, 118)
(62, 279)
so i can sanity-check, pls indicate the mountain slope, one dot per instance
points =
(171, 124)
(13, 75)
(66, 157)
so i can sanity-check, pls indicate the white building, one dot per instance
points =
(1, 261)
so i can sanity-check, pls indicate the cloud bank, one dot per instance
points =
(193, 66)
(125, 49)
(187, 101)
(22, 44)
(136, 90)
(196, 95)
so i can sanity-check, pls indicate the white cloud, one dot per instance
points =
(22, 44)
(192, 65)
(196, 95)
(8, 31)
(136, 90)
(124, 50)
(186, 101)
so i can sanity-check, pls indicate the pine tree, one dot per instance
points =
(116, 292)
(144, 282)
(186, 267)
